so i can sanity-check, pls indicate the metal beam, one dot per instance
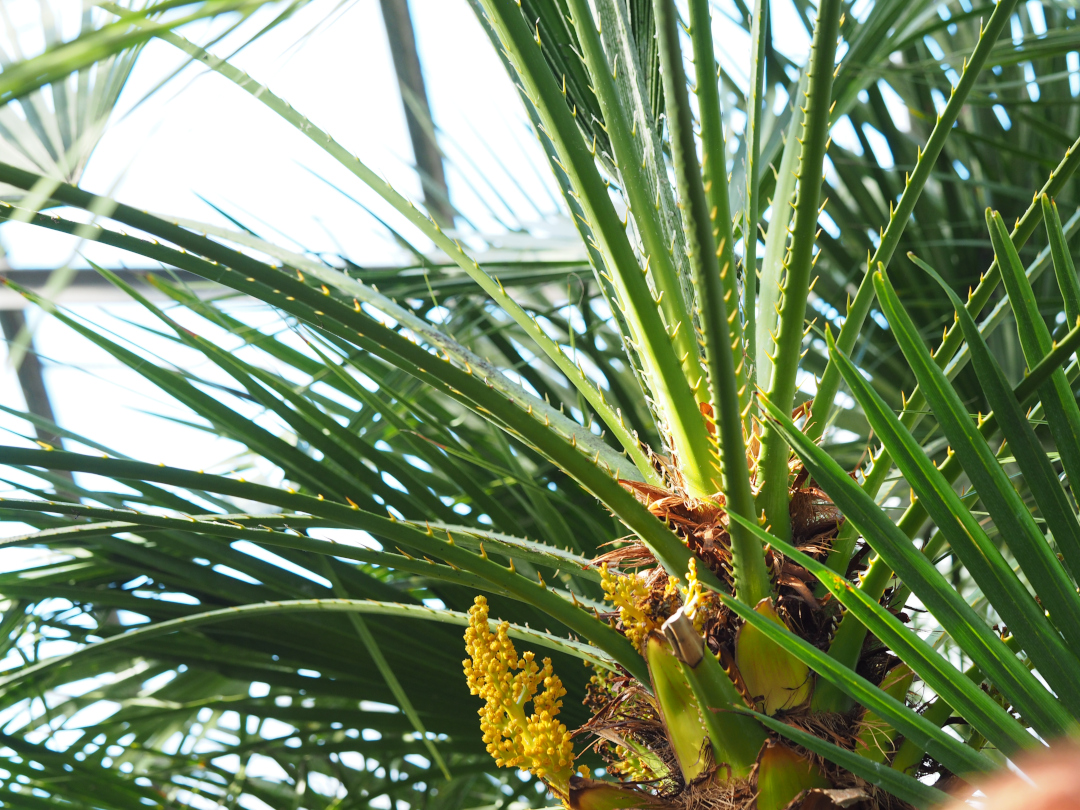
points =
(32, 381)
(410, 76)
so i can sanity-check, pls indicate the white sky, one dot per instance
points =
(202, 136)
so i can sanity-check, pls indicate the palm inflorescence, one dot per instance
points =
(741, 505)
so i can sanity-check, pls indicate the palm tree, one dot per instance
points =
(784, 594)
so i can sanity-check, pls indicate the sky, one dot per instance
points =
(201, 138)
(200, 142)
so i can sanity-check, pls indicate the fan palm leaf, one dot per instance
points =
(653, 473)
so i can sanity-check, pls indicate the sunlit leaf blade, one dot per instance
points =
(898, 784)
(1064, 268)
(948, 607)
(962, 531)
(975, 704)
(911, 724)
(1001, 499)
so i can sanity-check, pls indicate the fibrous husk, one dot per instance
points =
(627, 725)
(703, 526)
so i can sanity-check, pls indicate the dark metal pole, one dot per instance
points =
(429, 164)
(32, 381)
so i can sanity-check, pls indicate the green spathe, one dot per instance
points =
(776, 679)
(782, 774)
(678, 708)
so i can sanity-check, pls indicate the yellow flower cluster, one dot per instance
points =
(628, 594)
(694, 597)
(538, 742)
